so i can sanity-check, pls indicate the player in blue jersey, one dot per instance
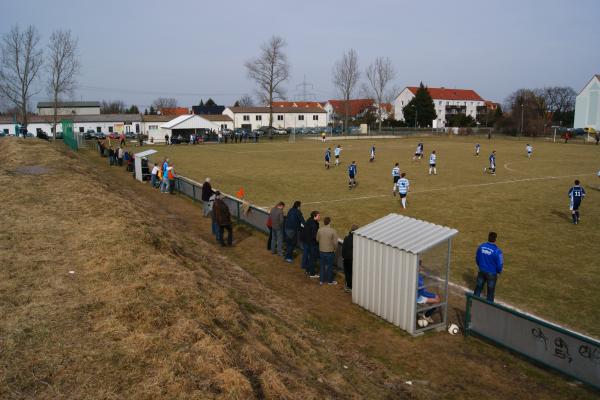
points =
(372, 154)
(576, 194)
(432, 163)
(352, 172)
(327, 157)
(336, 152)
(492, 167)
(403, 186)
(395, 177)
(477, 149)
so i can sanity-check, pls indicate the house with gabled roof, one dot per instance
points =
(447, 102)
(587, 105)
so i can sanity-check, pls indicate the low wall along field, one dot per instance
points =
(550, 264)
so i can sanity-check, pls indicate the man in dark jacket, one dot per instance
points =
(223, 218)
(293, 223)
(277, 228)
(308, 237)
(347, 256)
(207, 191)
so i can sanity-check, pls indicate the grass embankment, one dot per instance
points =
(155, 310)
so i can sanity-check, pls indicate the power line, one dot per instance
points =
(305, 94)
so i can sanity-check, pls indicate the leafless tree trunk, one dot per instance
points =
(270, 70)
(19, 67)
(64, 67)
(345, 78)
(164, 102)
(246, 101)
(379, 74)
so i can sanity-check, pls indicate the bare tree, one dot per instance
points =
(559, 100)
(270, 70)
(112, 107)
(379, 74)
(245, 101)
(345, 78)
(64, 67)
(19, 67)
(164, 102)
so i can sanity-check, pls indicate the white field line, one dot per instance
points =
(452, 188)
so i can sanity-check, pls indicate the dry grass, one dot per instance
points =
(155, 311)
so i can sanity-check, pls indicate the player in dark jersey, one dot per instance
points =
(352, 175)
(327, 157)
(576, 194)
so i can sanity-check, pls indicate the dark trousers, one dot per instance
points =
(291, 238)
(482, 279)
(309, 257)
(348, 272)
(326, 263)
(172, 186)
(222, 228)
(270, 238)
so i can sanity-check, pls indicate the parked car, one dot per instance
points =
(578, 132)
(337, 130)
(589, 130)
(42, 135)
(100, 135)
(179, 139)
(130, 135)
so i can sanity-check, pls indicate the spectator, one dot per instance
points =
(347, 248)
(327, 238)
(270, 227)
(111, 156)
(121, 140)
(207, 192)
(308, 237)
(293, 223)
(164, 186)
(223, 218)
(154, 175)
(130, 163)
(171, 175)
(215, 226)
(277, 226)
(490, 262)
(167, 139)
(120, 153)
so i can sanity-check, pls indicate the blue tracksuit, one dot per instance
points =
(489, 258)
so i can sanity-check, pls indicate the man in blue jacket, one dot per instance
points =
(490, 262)
(294, 222)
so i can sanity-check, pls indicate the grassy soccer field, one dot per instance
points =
(551, 266)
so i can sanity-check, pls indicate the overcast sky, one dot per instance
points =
(137, 50)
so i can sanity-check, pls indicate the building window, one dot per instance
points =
(259, 117)
(137, 128)
(300, 117)
(280, 117)
(98, 129)
(81, 129)
(246, 118)
(402, 102)
(153, 127)
(441, 103)
(315, 117)
(110, 129)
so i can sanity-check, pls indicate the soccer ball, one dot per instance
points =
(422, 323)
(453, 329)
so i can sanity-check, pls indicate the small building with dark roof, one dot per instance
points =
(69, 108)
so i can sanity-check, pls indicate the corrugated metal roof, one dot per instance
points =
(405, 233)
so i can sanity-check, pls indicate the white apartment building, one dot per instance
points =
(587, 105)
(447, 102)
(283, 117)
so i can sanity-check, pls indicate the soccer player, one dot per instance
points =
(327, 157)
(336, 153)
(492, 166)
(576, 194)
(477, 149)
(403, 185)
(352, 175)
(395, 177)
(418, 152)
(529, 149)
(372, 154)
(432, 162)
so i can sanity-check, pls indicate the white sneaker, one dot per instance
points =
(313, 276)
(429, 319)
(332, 283)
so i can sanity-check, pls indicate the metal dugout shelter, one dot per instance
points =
(386, 258)
(142, 169)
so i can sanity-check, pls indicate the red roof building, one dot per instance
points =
(174, 111)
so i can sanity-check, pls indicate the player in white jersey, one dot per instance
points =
(432, 162)
(403, 185)
(529, 149)
(336, 152)
(477, 149)
(395, 177)
(418, 152)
